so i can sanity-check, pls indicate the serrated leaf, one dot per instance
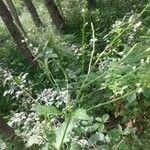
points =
(47, 110)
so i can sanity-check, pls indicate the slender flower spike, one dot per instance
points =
(148, 60)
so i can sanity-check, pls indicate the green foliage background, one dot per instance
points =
(91, 88)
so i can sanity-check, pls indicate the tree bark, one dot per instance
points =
(13, 11)
(55, 15)
(15, 33)
(35, 17)
(9, 136)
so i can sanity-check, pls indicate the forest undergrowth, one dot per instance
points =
(90, 87)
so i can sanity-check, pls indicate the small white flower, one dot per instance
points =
(26, 39)
(140, 90)
(83, 142)
(131, 19)
(30, 45)
(138, 84)
(131, 37)
(134, 67)
(83, 10)
(24, 76)
(93, 40)
(121, 53)
(36, 48)
(142, 61)
(22, 41)
(138, 24)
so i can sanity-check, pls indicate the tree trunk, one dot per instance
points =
(15, 16)
(15, 33)
(55, 15)
(9, 137)
(35, 17)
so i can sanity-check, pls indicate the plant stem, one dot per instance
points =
(114, 100)
(93, 46)
(62, 140)
(83, 42)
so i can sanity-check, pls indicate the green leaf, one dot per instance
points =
(47, 110)
(33, 140)
(146, 92)
(74, 146)
(94, 127)
(62, 132)
(93, 139)
(81, 115)
(99, 119)
(128, 130)
(114, 135)
(17, 80)
(131, 97)
(101, 127)
(52, 55)
(96, 137)
(79, 130)
(105, 117)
